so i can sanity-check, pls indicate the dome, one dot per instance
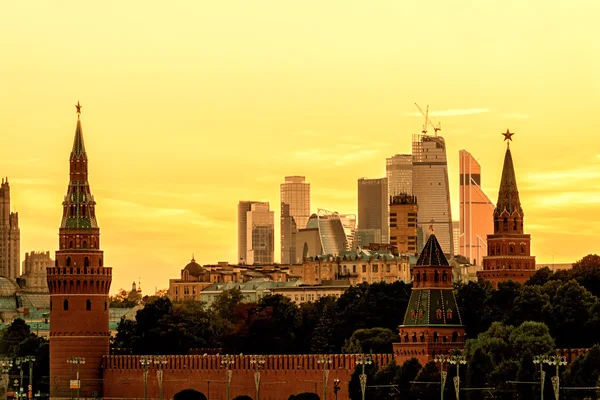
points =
(194, 268)
(8, 288)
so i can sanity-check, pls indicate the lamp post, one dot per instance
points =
(226, 361)
(457, 359)
(336, 387)
(258, 361)
(160, 362)
(442, 359)
(146, 362)
(325, 360)
(77, 361)
(541, 359)
(558, 361)
(5, 366)
(363, 359)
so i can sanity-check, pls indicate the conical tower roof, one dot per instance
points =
(432, 253)
(508, 196)
(78, 151)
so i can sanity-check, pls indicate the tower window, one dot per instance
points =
(66, 305)
(86, 262)
(85, 244)
(71, 244)
(68, 261)
(88, 305)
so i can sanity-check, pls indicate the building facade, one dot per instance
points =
(476, 219)
(35, 264)
(260, 234)
(403, 223)
(295, 211)
(509, 248)
(373, 206)
(79, 285)
(242, 228)
(398, 170)
(10, 236)
(432, 323)
(431, 187)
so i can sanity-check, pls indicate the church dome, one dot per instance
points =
(8, 288)
(194, 268)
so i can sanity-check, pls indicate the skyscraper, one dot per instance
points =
(295, 211)
(260, 235)
(403, 223)
(243, 208)
(509, 248)
(476, 210)
(373, 206)
(399, 174)
(432, 190)
(10, 236)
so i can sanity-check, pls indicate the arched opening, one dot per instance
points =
(66, 305)
(189, 394)
(438, 314)
(505, 224)
(436, 276)
(86, 262)
(68, 261)
(422, 337)
(435, 337)
(424, 276)
(85, 244)
(414, 337)
(418, 277)
(88, 305)
(444, 276)
(56, 262)
(449, 314)
(515, 224)
(455, 337)
(70, 244)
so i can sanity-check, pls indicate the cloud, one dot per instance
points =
(514, 116)
(455, 112)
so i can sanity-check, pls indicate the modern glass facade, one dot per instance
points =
(399, 174)
(432, 190)
(373, 211)
(476, 211)
(243, 208)
(295, 211)
(260, 234)
(336, 231)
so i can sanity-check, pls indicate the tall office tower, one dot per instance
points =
(455, 234)
(33, 278)
(403, 223)
(476, 210)
(243, 208)
(373, 206)
(509, 249)
(260, 235)
(399, 174)
(430, 186)
(295, 211)
(10, 236)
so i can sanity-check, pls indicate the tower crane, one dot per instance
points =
(428, 120)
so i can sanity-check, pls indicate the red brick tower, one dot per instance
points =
(509, 249)
(79, 285)
(432, 323)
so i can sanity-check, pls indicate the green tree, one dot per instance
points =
(540, 277)
(12, 336)
(354, 389)
(374, 340)
(528, 306)
(310, 315)
(384, 377)
(431, 390)
(352, 346)
(471, 299)
(584, 371)
(322, 340)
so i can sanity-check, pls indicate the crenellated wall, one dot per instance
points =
(281, 375)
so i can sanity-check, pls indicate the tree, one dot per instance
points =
(354, 389)
(322, 340)
(385, 377)
(471, 299)
(585, 370)
(310, 315)
(429, 391)
(352, 346)
(540, 277)
(122, 300)
(11, 337)
(373, 340)
(189, 394)
(500, 301)
(226, 302)
(528, 306)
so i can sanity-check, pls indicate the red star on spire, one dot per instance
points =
(78, 107)
(507, 135)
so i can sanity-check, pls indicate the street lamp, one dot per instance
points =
(160, 362)
(146, 362)
(5, 366)
(557, 361)
(336, 387)
(77, 361)
(442, 359)
(541, 359)
(20, 361)
(457, 359)
(227, 360)
(363, 360)
(325, 360)
(258, 361)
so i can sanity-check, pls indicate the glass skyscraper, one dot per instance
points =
(398, 170)
(295, 211)
(260, 235)
(373, 207)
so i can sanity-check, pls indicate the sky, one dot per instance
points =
(192, 106)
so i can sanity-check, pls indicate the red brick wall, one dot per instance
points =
(281, 376)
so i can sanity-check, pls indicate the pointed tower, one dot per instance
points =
(432, 323)
(509, 249)
(79, 285)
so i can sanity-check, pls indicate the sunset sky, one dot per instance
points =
(191, 106)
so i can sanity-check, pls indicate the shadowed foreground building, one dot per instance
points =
(509, 248)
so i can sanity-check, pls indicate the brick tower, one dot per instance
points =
(509, 249)
(79, 285)
(432, 323)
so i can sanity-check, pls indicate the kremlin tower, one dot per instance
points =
(509, 249)
(79, 286)
(432, 323)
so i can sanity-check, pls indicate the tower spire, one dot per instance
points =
(508, 195)
(78, 151)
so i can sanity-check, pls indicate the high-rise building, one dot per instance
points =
(295, 211)
(373, 206)
(455, 234)
(476, 211)
(10, 236)
(243, 208)
(509, 248)
(399, 174)
(33, 278)
(403, 223)
(79, 285)
(431, 187)
(326, 232)
(260, 234)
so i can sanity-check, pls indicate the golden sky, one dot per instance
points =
(191, 106)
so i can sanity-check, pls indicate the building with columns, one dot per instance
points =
(35, 264)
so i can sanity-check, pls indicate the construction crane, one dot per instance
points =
(428, 120)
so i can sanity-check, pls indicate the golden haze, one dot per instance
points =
(191, 106)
